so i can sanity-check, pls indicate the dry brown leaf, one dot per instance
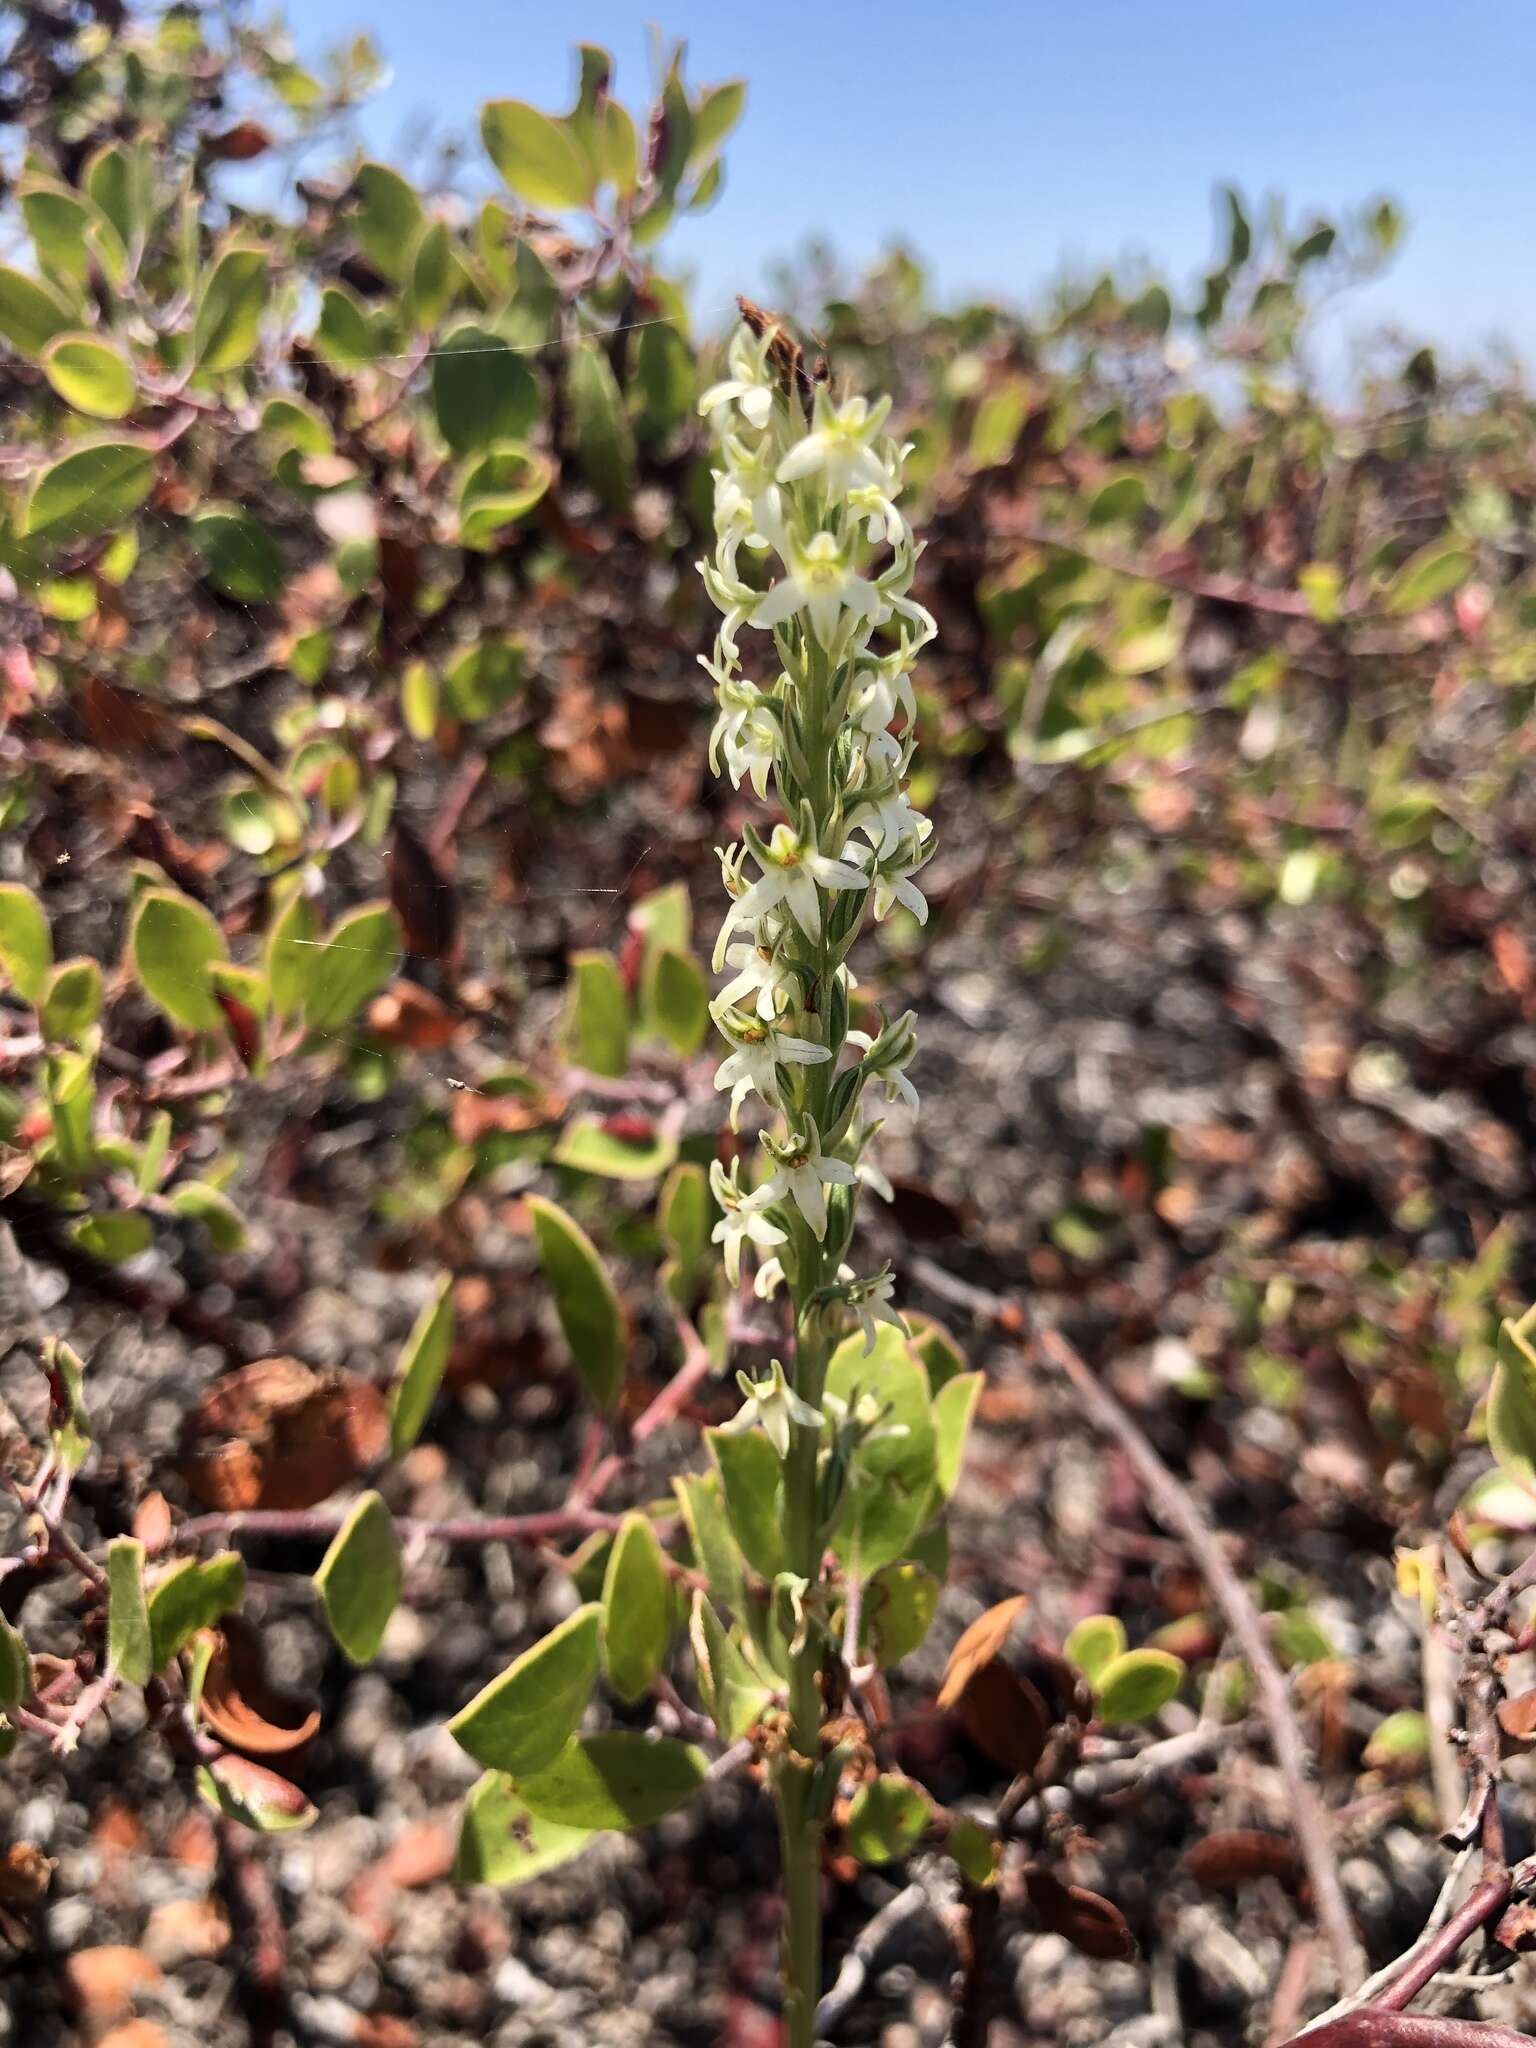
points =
(279, 1434)
(1092, 1925)
(240, 1703)
(1239, 1856)
(979, 1645)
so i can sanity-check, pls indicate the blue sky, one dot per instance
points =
(1002, 141)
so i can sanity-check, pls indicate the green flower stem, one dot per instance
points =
(800, 1824)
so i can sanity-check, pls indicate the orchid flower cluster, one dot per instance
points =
(812, 566)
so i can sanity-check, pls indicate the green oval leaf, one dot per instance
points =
(213, 1209)
(31, 313)
(228, 321)
(26, 943)
(419, 1372)
(72, 1002)
(15, 1666)
(616, 1781)
(1434, 572)
(680, 1001)
(605, 441)
(587, 1146)
(388, 219)
(1137, 1685)
(88, 491)
(899, 1605)
(240, 556)
(890, 1478)
(585, 1301)
(734, 1694)
(637, 1610)
(359, 1579)
(91, 375)
(522, 1720)
(358, 957)
(190, 1597)
(482, 390)
(752, 1481)
(118, 1235)
(539, 159)
(502, 1842)
(597, 1015)
(172, 944)
(129, 1651)
(1096, 1642)
(887, 1818)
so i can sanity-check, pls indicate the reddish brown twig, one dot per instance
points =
(321, 1524)
(1373, 2027)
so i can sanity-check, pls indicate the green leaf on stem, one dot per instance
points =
(539, 158)
(637, 1610)
(1095, 1643)
(229, 311)
(891, 1473)
(15, 1666)
(587, 1146)
(597, 1015)
(129, 1642)
(358, 957)
(887, 1819)
(522, 1720)
(501, 1841)
(360, 1577)
(73, 999)
(619, 1780)
(752, 1481)
(734, 1695)
(1137, 1684)
(900, 1602)
(419, 1370)
(189, 1597)
(172, 943)
(26, 944)
(586, 1302)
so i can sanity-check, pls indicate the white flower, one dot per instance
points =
(792, 869)
(746, 733)
(820, 580)
(889, 819)
(743, 1220)
(804, 1175)
(839, 448)
(751, 383)
(870, 1301)
(768, 1279)
(888, 1056)
(773, 1405)
(890, 875)
(761, 976)
(883, 689)
(760, 1050)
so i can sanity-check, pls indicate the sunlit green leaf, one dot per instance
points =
(637, 1610)
(522, 1720)
(585, 1301)
(129, 1651)
(615, 1781)
(360, 1577)
(419, 1369)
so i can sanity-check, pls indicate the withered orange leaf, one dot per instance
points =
(981, 1643)
(279, 1434)
(241, 1704)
